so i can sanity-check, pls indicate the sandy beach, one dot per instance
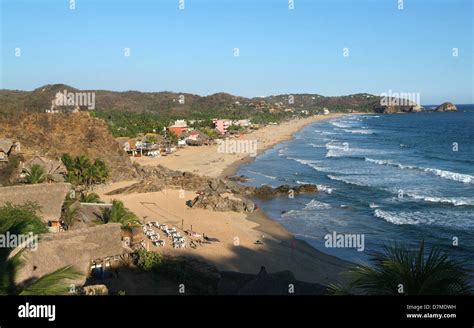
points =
(236, 233)
(206, 160)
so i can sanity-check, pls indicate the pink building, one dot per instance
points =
(221, 125)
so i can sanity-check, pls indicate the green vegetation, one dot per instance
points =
(89, 198)
(35, 175)
(131, 124)
(128, 124)
(398, 270)
(48, 284)
(118, 213)
(210, 133)
(70, 210)
(147, 261)
(82, 171)
(22, 219)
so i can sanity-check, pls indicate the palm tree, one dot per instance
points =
(35, 175)
(81, 171)
(69, 214)
(22, 219)
(399, 270)
(118, 213)
(49, 284)
(89, 198)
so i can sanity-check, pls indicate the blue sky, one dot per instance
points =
(281, 50)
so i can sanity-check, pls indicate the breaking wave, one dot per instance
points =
(359, 131)
(398, 218)
(347, 181)
(456, 201)
(340, 124)
(460, 177)
(267, 176)
(316, 205)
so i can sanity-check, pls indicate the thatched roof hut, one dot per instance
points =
(77, 248)
(49, 196)
(5, 148)
(55, 170)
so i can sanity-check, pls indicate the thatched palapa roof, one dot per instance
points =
(53, 168)
(77, 248)
(49, 196)
(5, 145)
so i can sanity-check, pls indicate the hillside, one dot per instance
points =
(171, 103)
(76, 133)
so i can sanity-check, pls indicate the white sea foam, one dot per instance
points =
(321, 187)
(456, 201)
(340, 124)
(302, 182)
(344, 150)
(359, 131)
(465, 178)
(282, 151)
(460, 220)
(316, 205)
(317, 146)
(348, 181)
(267, 176)
(324, 188)
(398, 218)
(303, 161)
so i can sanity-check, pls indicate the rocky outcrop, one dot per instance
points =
(239, 178)
(446, 107)
(219, 203)
(268, 191)
(391, 109)
(211, 190)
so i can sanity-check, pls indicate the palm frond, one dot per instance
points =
(52, 283)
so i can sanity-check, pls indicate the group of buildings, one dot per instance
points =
(221, 125)
(161, 145)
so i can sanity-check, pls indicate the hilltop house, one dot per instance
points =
(48, 196)
(325, 111)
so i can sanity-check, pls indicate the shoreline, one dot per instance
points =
(233, 168)
(280, 251)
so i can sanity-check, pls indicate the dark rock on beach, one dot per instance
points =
(222, 204)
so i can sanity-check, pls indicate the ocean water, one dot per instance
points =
(401, 177)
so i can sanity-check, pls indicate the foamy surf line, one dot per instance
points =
(454, 176)
(456, 201)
